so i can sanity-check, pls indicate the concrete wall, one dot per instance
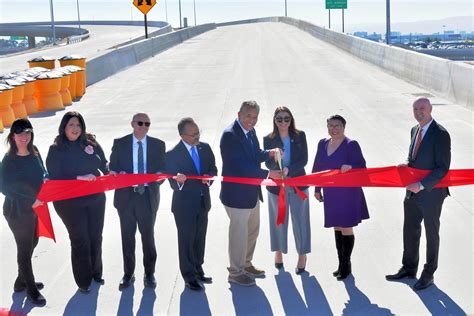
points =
(451, 80)
(121, 58)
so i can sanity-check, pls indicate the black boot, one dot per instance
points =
(20, 285)
(347, 246)
(338, 237)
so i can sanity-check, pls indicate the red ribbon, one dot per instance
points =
(55, 190)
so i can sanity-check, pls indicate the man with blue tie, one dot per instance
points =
(137, 206)
(242, 157)
(191, 200)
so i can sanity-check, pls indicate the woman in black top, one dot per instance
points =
(76, 155)
(23, 174)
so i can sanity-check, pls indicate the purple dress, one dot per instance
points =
(343, 207)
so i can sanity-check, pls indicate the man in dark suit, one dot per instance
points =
(242, 157)
(191, 200)
(137, 206)
(430, 149)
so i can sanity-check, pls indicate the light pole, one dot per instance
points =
(286, 8)
(52, 21)
(387, 32)
(194, 2)
(166, 10)
(180, 25)
(78, 15)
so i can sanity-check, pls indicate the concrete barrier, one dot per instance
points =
(451, 80)
(112, 62)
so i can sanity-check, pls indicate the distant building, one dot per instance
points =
(373, 37)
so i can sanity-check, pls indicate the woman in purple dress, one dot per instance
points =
(344, 207)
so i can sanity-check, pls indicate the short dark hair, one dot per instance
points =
(337, 117)
(251, 105)
(183, 123)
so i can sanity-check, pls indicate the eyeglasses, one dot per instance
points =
(281, 119)
(141, 123)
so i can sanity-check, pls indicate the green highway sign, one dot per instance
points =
(336, 4)
(18, 38)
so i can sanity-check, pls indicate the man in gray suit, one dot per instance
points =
(430, 149)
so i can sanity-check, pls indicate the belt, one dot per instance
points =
(135, 189)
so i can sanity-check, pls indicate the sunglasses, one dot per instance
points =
(285, 119)
(141, 123)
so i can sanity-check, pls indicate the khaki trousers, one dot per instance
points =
(243, 232)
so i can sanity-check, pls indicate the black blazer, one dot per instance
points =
(299, 156)
(433, 154)
(178, 160)
(121, 159)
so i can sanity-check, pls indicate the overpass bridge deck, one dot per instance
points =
(207, 78)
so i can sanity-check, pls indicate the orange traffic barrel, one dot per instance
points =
(6, 97)
(42, 61)
(28, 100)
(17, 105)
(47, 86)
(65, 82)
(75, 87)
(79, 61)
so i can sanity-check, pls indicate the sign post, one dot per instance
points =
(144, 6)
(336, 4)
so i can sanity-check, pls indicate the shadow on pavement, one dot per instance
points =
(250, 300)
(147, 302)
(20, 304)
(438, 302)
(293, 304)
(83, 304)
(359, 303)
(126, 301)
(194, 303)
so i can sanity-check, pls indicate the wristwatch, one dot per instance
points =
(421, 187)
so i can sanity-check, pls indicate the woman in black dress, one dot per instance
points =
(76, 155)
(23, 174)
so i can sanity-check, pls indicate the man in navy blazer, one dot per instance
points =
(242, 157)
(191, 200)
(430, 149)
(137, 206)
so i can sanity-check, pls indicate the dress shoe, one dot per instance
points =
(149, 281)
(126, 281)
(254, 272)
(423, 282)
(279, 265)
(36, 298)
(402, 273)
(194, 285)
(204, 279)
(99, 280)
(18, 286)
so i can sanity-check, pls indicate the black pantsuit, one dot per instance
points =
(84, 220)
(434, 154)
(190, 206)
(83, 216)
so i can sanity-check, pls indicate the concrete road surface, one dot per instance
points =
(207, 78)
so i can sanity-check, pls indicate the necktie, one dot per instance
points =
(418, 143)
(249, 140)
(141, 166)
(195, 157)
